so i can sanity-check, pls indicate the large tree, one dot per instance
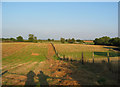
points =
(12, 39)
(73, 40)
(115, 41)
(35, 39)
(49, 39)
(102, 41)
(79, 41)
(19, 39)
(31, 38)
(62, 40)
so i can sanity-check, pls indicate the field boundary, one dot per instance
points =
(55, 50)
(83, 60)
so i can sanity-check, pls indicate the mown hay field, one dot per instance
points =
(18, 54)
(34, 64)
(74, 51)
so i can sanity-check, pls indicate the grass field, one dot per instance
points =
(20, 53)
(75, 51)
(35, 64)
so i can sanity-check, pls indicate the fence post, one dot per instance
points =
(93, 57)
(67, 58)
(108, 57)
(63, 57)
(82, 58)
(57, 54)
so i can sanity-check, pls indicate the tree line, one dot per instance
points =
(63, 40)
(107, 41)
(98, 41)
(31, 38)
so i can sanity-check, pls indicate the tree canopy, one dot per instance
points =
(107, 41)
(19, 39)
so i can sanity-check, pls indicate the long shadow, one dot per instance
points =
(30, 79)
(101, 54)
(117, 49)
(94, 73)
(104, 54)
(4, 72)
(42, 79)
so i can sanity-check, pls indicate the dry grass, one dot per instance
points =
(80, 48)
(10, 48)
(75, 50)
(55, 72)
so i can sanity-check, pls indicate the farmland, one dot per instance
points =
(75, 51)
(36, 64)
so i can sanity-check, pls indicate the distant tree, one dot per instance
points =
(49, 39)
(40, 40)
(70, 40)
(115, 41)
(19, 39)
(73, 40)
(105, 40)
(31, 38)
(102, 41)
(35, 39)
(80, 41)
(98, 41)
(12, 39)
(52, 39)
(66, 40)
(62, 40)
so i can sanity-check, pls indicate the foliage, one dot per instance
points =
(71, 40)
(8, 39)
(12, 39)
(35, 39)
(102, 41)
(40, 40)
(80, 41)
(49, 39)
(107, 41)
(115, 41)
(62, 40)
(52, 39)
(19, 39)
(31, 38)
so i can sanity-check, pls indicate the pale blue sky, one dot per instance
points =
(86, 20)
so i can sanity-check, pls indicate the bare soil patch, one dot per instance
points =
(89, 41)
(35, 54)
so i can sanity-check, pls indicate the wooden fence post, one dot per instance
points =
(108, 57)
(67, 58)
(82, 58)
(71, 59)
(93, 57)
(63, 57)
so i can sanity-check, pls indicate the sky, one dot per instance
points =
(79, 20)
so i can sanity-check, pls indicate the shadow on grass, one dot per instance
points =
(104, 54)
(95, 73)
(101, 54)
(116, 49)
(41, 77)
(30, 79)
